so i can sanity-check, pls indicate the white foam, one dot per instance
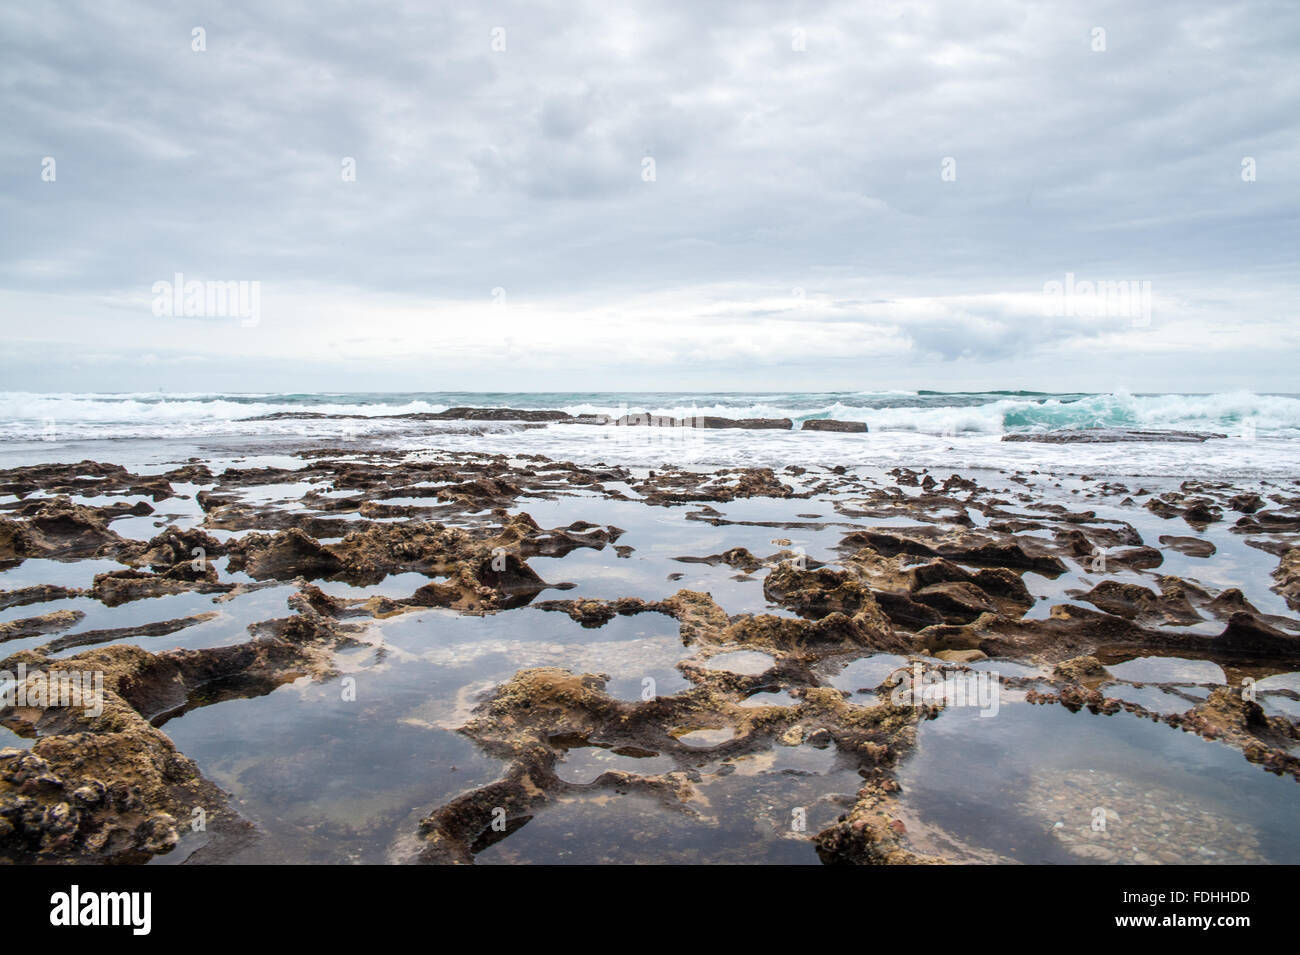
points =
(927, 431)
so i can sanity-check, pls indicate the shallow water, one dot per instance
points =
(970, 775)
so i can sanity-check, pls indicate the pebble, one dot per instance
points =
(1155, 826)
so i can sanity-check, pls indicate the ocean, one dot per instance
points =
(914, 429)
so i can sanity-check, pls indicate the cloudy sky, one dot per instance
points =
(660, 196)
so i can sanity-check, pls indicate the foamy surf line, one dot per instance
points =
(985, 412)
(1239, 435)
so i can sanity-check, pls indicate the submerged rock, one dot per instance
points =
(1191, 546)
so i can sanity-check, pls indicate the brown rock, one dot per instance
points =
(829, 424)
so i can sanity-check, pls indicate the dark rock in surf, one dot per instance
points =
(830, 424)
(1111, 435)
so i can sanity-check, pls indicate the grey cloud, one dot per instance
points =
(775, 167)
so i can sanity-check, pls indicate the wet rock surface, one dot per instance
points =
(815, 587)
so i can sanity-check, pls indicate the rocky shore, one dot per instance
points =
(946, 571)
(639, 419)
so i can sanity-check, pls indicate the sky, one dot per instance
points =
(650, 196)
